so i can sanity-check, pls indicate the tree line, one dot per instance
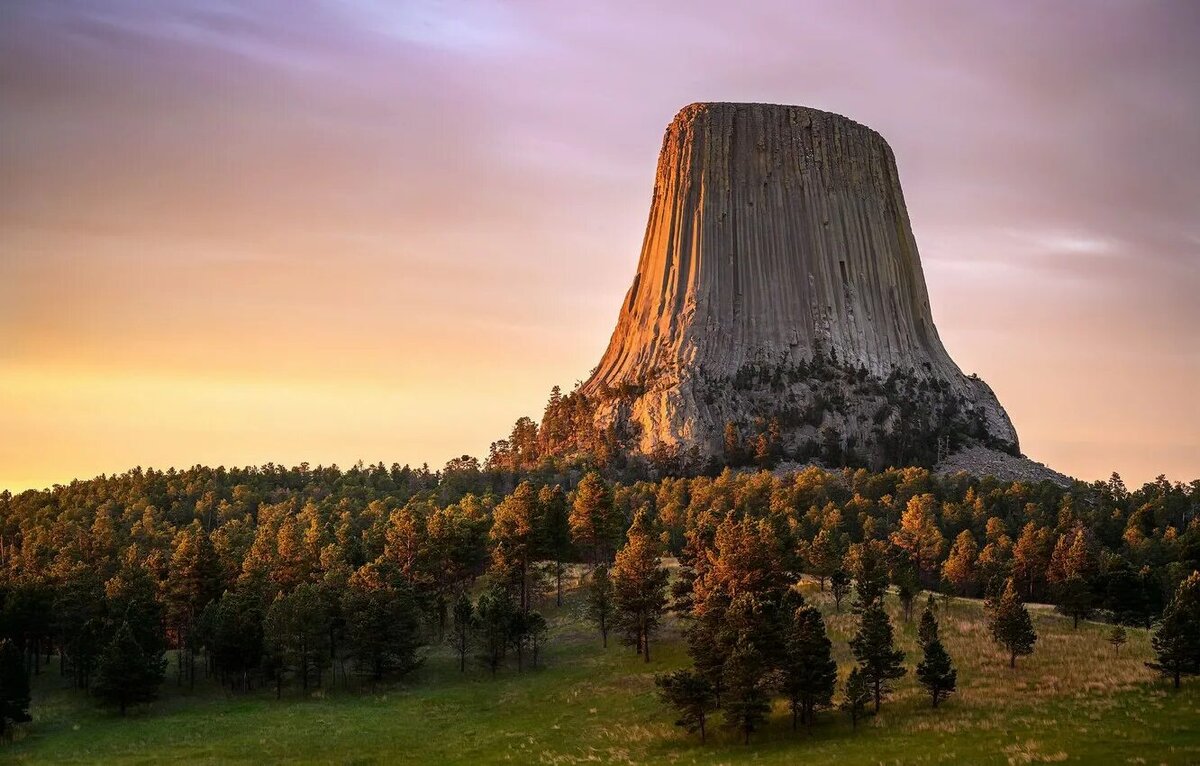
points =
(302, 577)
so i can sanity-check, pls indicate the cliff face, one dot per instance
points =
(776, 234)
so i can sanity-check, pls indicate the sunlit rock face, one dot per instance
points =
(776, 233)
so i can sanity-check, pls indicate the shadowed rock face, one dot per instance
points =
(775, 232)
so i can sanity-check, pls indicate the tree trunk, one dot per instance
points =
(1012, 660)
(878, 694)
(558, 570)
(647, 641)
(701, 728)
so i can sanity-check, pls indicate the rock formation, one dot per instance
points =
(780, 290)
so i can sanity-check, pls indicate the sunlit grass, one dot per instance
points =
(1071, 701)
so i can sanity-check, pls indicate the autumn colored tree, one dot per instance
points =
(513, 542)
(919, 537)
(959, 568)
(594, 527)
(639, 586)
(867, 563)
(1011, 626)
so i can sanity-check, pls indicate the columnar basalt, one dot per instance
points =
(779, 249)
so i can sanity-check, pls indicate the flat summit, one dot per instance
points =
(780, 292)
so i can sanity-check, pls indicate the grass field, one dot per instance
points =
(1072, 701)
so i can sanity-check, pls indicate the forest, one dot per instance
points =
(300, 578)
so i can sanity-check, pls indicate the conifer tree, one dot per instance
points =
(746, 701)
(464, 614)
(639, 583)
(14, 688)
(936, 671)
(1176, 641)
(857, 696)
(691, 695)
(927, 630)
(555, 532)
(867, 562)
(959, 570)
(809, 674)
(125, 674)
(875, 649)
(1011, 626)
(493, 621)
(594, 526)
(513, 542)
(383, 630)
(839, 586)
(1117, 638)
(600, 606)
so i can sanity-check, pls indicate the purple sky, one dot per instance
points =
(234, 233)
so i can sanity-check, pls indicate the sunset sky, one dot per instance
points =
(285, 231)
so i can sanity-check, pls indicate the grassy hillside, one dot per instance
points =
(1072, 701)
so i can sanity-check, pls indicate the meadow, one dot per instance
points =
(1072, 701)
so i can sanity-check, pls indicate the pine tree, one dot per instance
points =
(919, 536)
(1011, 626)
(867, 562)
(690, 694)
(809, 674)
(875, 649)
(555, 532)
(858, 694)
(959, 570)
(745, 701)
(1117, 638)
(600, 606)
(464, 613)
(513, 542)
(14, 687)
(639, 583)
(927, 630)
(383, 630)
(1176, 642)
(839, 586)
(493, 621)
(593, 520)
(935, 671)
(125, 674)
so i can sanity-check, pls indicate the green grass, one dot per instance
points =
(1072, 701)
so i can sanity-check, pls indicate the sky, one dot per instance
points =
(239, 233)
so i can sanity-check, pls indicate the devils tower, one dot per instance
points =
(779, 296)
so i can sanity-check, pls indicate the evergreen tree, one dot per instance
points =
(809, 674)
(857, 696)
(746, 700)
(536, 628)
(125, 674)
(867, 562)
(935, 671)
(296, 636)
(14, 688)
(959, 569)
(493, 621)
(383, 631)
(555, 532)
(464, 615)
(513, 542)
(1011, 626)
(593, 519)
(232, 630)
(839, 586)
(1176, 642)
(1117, 638)
(875, 649)
(689, 693)
(639, 583)
(600, 606)
(927, 630)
